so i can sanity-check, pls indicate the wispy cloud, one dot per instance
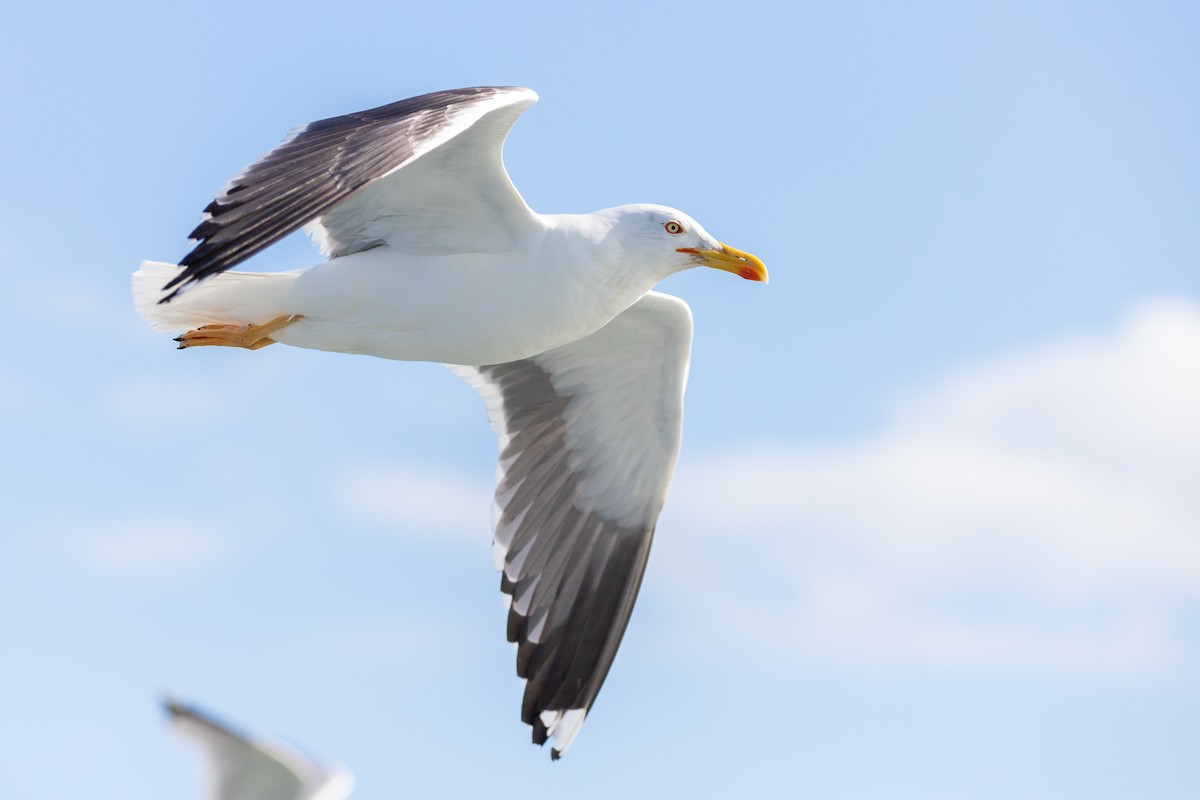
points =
(142, 548)
(396, 637)
(17, 392)
(161, 402)
(1037, 510)
(410, 501)
(79, 304)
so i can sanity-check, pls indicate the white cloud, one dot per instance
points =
(416, 502)
(166, 402)
(78, 304)
(18, 393)
(1038, 510)
(205, 388)
(143, 548)
(395, 637)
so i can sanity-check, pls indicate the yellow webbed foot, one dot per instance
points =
(251, 337)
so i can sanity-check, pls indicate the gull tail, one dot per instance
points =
(243, 298)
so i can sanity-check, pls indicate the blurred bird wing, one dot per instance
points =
(245, 769)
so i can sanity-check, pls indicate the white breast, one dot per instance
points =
(464, 308)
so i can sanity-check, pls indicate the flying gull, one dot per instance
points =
(434, 256)
(242, 768)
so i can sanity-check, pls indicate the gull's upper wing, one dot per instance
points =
(243, 769)
(588, 434)
(423, 173)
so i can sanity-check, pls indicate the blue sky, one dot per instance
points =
(934, 530)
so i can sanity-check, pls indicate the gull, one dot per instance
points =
(433, 255)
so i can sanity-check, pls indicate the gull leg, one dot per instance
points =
(251, 337)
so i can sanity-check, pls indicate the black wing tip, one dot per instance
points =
(189, 273)
(540, 731)
(541, 735)
(182, 710)
(175, 708)
(179, 283)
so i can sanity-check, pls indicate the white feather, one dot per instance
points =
(242, 298)
(624, 420)
(563, 726)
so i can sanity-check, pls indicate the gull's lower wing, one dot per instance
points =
(316, 175)
(589, 433)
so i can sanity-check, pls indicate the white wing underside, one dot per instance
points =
(589, 434)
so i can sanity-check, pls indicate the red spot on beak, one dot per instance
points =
(749, 274)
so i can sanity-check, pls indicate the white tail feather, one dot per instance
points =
(241, 298)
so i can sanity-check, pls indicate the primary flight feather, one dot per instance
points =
(434, 256)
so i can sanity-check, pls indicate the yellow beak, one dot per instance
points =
(732, 260)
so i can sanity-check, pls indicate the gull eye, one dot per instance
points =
(674, 227)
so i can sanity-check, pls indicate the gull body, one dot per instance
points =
(411, 306)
